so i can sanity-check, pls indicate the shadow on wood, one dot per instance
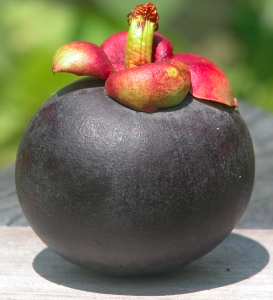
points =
(236, 259)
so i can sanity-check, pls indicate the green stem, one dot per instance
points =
(143, 22)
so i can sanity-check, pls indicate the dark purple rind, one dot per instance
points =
(129, 193)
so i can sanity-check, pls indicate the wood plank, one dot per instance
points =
(239, 268)
(10, 210)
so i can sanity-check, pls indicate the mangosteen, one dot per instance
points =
(143, 169)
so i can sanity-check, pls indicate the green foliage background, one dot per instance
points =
(236, 35)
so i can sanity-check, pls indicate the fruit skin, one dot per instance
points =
(129, 193)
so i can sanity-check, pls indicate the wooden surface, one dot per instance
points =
(239, 268)
(259, 214)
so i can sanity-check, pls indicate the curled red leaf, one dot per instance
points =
(82, 59)
(208, 82)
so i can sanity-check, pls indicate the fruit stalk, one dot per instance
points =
(143, 22)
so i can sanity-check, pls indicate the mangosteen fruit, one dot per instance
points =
(143, 166)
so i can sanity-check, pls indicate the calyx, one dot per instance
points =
(140, 69)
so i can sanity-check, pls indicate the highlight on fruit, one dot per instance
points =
(140, 69)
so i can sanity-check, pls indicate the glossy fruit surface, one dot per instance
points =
(130, 193)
